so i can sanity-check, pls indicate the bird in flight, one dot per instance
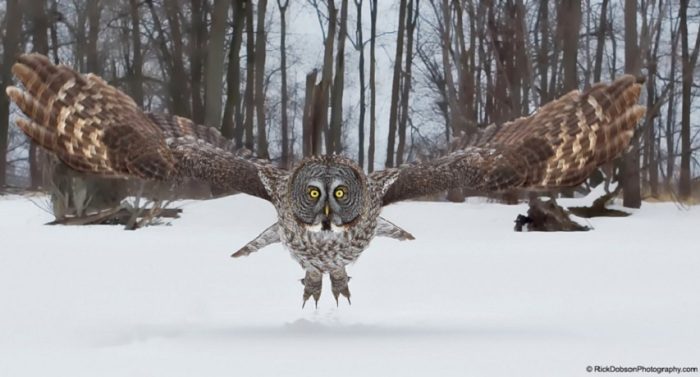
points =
(328, 209)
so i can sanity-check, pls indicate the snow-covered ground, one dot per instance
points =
(468, 297)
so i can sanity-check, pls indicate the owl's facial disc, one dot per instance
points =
(327, 197)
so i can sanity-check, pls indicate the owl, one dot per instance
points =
(328, 209)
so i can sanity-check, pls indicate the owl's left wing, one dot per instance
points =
(95, 128)
(558, 146)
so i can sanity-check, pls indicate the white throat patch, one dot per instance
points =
(318, 228)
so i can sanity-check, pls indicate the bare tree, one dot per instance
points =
(543, 52)
(260, 41)
(232, 124)
(135, 70)
(172, 60)
(321, 98)
(671, 113)
(338, 83)
(689, 60)
(40, 42)
(600, 41)
(309, 140)
(360, 47)
(215, 64)
(372, 85)
(249, 96)
(94, 9)
(283, 68)
(197, 48)
(654, 99)
(411, 22)
(569, 23)
(394, 107)
(632, 197)
(11, 40)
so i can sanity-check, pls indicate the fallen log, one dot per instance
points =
(120, 216)
(599, 207)
(547, 217)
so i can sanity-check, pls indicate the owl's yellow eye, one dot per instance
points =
(314, 193)
(339, 193)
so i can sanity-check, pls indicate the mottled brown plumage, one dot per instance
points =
(558, 146)
(93, 127)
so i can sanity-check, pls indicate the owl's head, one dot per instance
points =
(328, 193)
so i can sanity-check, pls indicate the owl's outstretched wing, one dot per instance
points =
(558, 146)
(95, 128)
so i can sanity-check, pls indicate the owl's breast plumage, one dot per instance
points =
(326, 251)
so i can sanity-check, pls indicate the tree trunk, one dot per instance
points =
(600, 43)
(53, 31)
(394, 107)
(285, 158)
(475, 81)
(260, 40)
(197, 48)
(232, 125)
(307, 137)
(653, 99)
(13, 29)
(249, 99)
(670, 115)
(632, 197)
(543, 52)
(338, 83)
(569, 19)
(178, 76)
(411, 21)
(94, 13)
(40, 41)
(523, 64)
(372, 86)
(215, 64)
(136, 79)
(173, 63)
(363, 105)
(651, 166)
(689, 59)
(326, 78)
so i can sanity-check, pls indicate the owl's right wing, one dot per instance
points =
(558, 146)
(95, 128)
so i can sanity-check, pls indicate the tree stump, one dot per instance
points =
(547, 217)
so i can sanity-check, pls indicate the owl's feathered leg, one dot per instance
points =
(312, 286)
(339, 284)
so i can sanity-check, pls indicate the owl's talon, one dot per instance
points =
(339, 284)
(312, 287)
(345, 292)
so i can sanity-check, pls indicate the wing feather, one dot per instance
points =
(558, 146)
(95, 128)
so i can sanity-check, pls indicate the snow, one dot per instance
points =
(468, 297)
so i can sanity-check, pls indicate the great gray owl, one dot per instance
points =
(328, 209)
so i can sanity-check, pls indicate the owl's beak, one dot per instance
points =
(326, 222)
